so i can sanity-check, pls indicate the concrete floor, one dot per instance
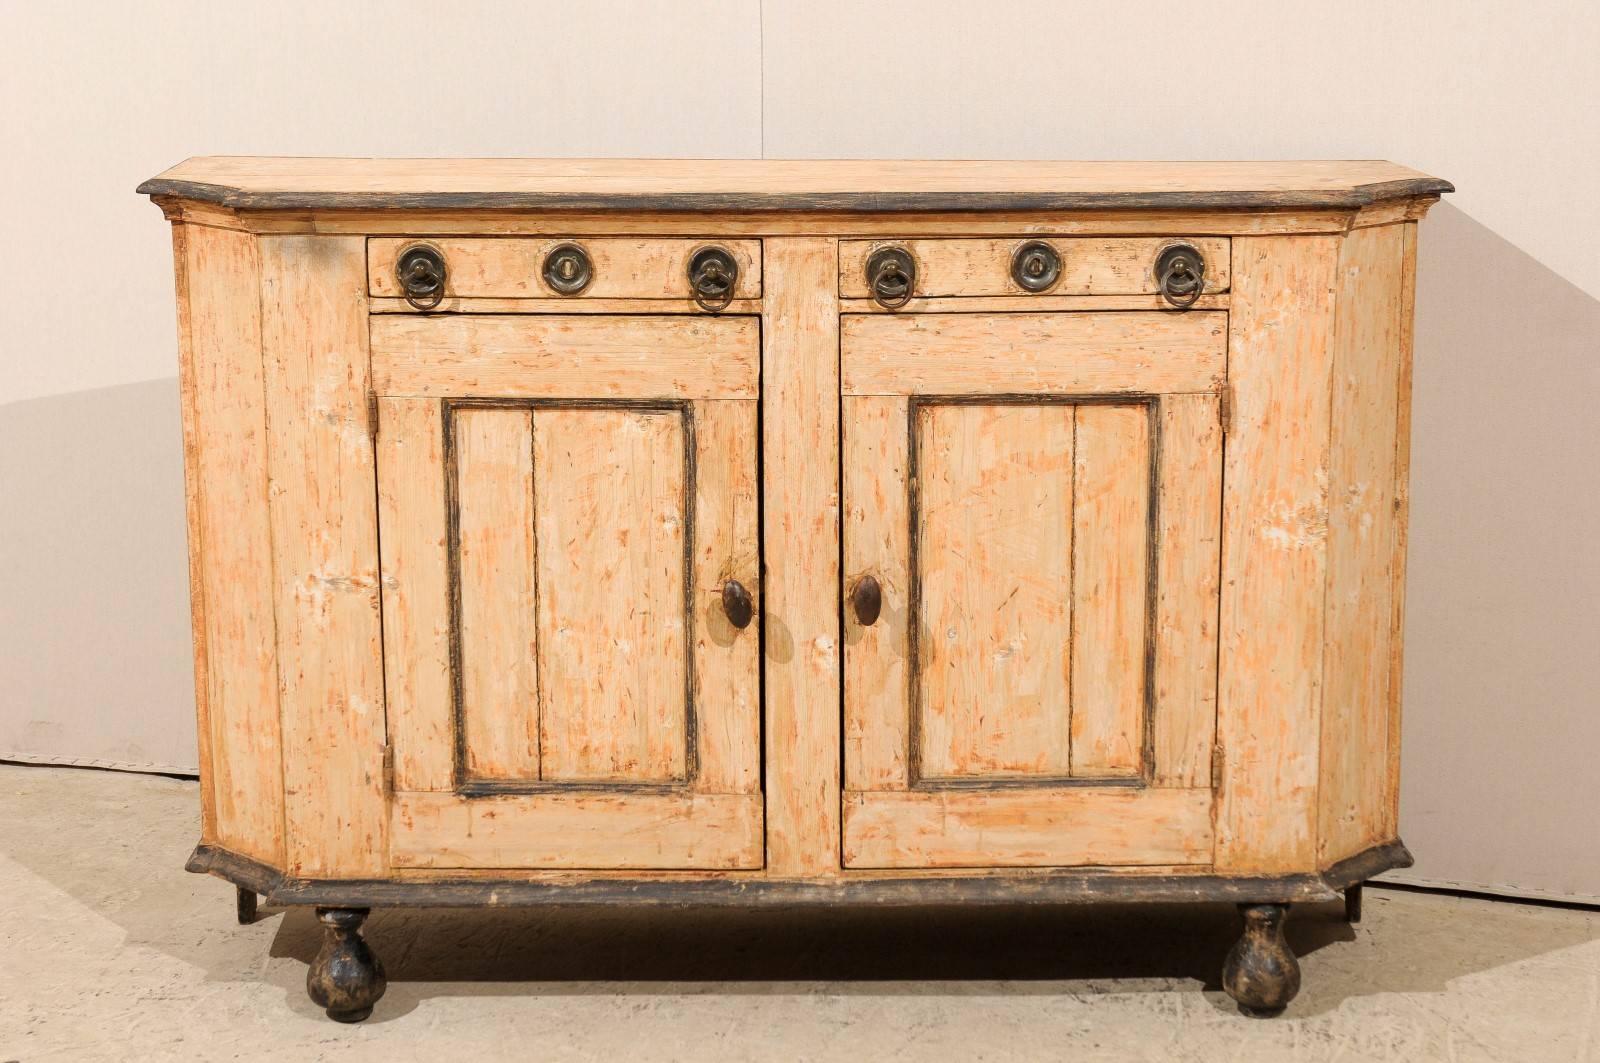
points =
(108, 950)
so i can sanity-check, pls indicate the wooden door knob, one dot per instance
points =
(866, 599)
(737, 604)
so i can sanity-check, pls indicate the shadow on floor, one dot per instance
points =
(882, 952)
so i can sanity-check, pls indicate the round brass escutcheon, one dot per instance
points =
(1036, 266)
(568, 269)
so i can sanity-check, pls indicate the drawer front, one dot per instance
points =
(1088, 266)
(514, 267)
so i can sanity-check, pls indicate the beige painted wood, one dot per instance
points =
(1271, 630)
(800, 499)
(323, 500)
(1028, 827)
(1402, 519)
(1109, 578)
(565, 305)
(613, 650)
(492, 450)
(1089, 266)
(941, 354)
(1275, 538)
(1188, 574)
(589, 830)
(624, 267)
(188, 405)
(416, 592)
(225, 461)
(876, 544)
(1025, 304)
(879, 177)
(507, 356)
(995, 517)
(727, 660)
(1357, 702)
(735, 224)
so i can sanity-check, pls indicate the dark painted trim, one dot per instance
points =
(1087, 886)
(242, 871)
(1354, 870)
(819, 202)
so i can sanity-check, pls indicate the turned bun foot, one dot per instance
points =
(1261, 972)
(346, 979)
(245, 905)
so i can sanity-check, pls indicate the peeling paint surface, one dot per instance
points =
(114, 953)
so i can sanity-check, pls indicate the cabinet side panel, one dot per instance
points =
(230, 546)
(1402, 524)
(800, 481)
(1274, 554)
(1361, 543)
(325, 537)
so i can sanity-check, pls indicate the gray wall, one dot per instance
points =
(1503, 631)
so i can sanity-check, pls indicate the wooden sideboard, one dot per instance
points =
(776, 533)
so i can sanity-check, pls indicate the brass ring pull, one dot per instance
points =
(866, 601)
(420, 269)
(891, 277)
(1181, 275)
(737, 604)
(713, 274)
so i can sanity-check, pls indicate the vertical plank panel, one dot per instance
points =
(1275, 527)
(1110, 577)
(1361, 542)
(1390, 826)
(226, 454)
(877, 694)
(727, 672)
(493, 457)
(416, 592)
(800, 491)
(324, 532)
(995, 511)
(1184, 703)
(610, 508)
(189, 403)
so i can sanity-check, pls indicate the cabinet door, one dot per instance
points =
(1035, 499)
(568, 519)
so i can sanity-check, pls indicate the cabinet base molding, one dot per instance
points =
(1088, 886)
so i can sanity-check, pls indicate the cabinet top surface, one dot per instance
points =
(262, 183)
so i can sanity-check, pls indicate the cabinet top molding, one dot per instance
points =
(865, 186)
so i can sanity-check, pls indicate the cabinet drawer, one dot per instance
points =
(1088, 266)
(514, 267)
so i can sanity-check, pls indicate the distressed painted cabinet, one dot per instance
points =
(772, 533)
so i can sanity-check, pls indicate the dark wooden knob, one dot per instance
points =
(737, 604)
(866, 600)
